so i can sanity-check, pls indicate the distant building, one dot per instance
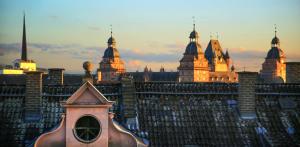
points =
(213, 66)
(111, 66)
(23, 64)
(274, 68)
(193, 65)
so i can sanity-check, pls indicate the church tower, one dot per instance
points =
(111, 66)
(24, 63)
(274, 68)
(193, 65)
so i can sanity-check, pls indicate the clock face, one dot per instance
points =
(87, 129)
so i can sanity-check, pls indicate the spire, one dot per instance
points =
(193, 23)
(275, 41)
(24, 44)
(194, 35)
(111, 41)
(110, 30)
(275, 30)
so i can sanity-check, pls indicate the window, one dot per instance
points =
(87, 129)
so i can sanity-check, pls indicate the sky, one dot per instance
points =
(66, 33)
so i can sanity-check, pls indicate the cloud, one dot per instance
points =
(73, 55)
(9, 48)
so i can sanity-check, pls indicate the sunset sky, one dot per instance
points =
(65, 33)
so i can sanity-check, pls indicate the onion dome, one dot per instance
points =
(194, 35)
(111, 40)
(275, 41)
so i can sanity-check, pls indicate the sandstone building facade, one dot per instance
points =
(212, 66)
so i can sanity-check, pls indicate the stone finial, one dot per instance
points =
(88, 67)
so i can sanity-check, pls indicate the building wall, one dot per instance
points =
(11, 71)
(273, 71)
(293, 72)
(28, 66)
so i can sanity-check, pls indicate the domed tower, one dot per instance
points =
(193, 65)
(274, 69)
(111, 66)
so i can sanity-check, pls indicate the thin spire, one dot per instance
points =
(24, 43)
(194, 23)
(275, 30)
(111, 30)
(210, 35)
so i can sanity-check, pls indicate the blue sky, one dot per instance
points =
(152, 33)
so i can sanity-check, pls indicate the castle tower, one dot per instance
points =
(193, 65)
(274, 68)
(111, 66)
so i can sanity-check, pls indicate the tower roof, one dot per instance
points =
(193, 48)
(213, 50)
(111, 51)
(275, 53)
(194, 34)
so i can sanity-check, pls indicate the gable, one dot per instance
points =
(87, 97)
(87, 94)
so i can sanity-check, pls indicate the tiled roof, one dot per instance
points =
(171, 113)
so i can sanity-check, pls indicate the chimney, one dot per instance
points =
(56, 76)
(292, 72)
(246, 94)
(129, 101)
(33, 96)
